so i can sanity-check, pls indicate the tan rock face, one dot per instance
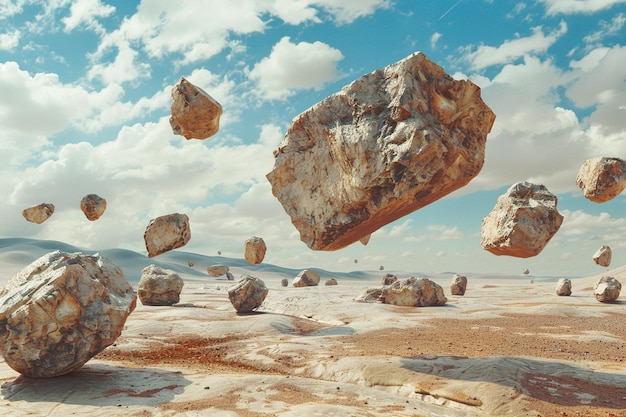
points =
(522, 222)
(410, 292)
(389, 279)
(248, 294)
(254, 250)
(607, 289)
(458, 286)
(166, 233)
(38, 214)
(194, 113)
(159, 287)
(564, 287)
(386, 145)
(306, 278)
(330, 281)
(217, 270)
(93, 206)
(603, 256)
(602, 179)
(62, 310)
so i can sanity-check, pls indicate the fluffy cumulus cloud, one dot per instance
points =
(85, 13)
(9, 40)
(566, 7)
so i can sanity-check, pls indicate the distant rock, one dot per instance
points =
(159, 287)
(62, 310)
(381, 268)
(284, 282)
(248, 294)
(330, 281)
(389, 143)
(525, 271)
(194, 113)
(254, 250)
(564, 287)
(217, 270)
(306, 278)
(522, 222)
(230, 276)
(166, 233)
(38, 214)
(410, 292)
(389, 279)
(93, 206)
(607, 289)
(190, 263)
(458, 285)
(602, 256)
(602, 179)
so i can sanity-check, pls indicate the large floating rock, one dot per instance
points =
(306, 278)
(248, 294)
(603, 256)
(254, 250)
(62, 310)
(194, 113)
(602, 179)
(522, 222)
(93, 206)
(166, 233)
(389, 143)
(159, 287)
(410, 292)
(607, 289)
(38, 214)
(458, 284)
(564, 287)
(218, 270)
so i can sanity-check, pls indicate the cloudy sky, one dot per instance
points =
(85, 100)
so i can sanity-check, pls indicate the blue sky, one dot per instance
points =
(85, 95)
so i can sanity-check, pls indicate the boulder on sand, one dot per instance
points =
(389, 143)
(564, 287)
(247, 294)
(194, 113)
(306, 278)
(159, 287)
(39, 213)
(602, 179)
(458, 285)
(607, 289)
(166, 233)
(217, 270)
(410, 292)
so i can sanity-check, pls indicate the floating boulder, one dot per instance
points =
(458, 285)
(602, 256)
(525, 271)
(254, 250)
(389, 279)
(306, 278)
(38, 214)
(389, 143)
(159, 287)
(166, 233)
(194, 113)
(607, 289)
(522, 222)
(93, 206)
(217, 270)
(248, 294)
(564, 287)
(410, 292)
(602, 179)
(61, 311)
(330, 281)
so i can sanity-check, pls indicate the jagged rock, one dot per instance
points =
(248, 294)
(602, 256)
(217, 270)
(230, 276)
(602, 179)
(522, 222)
(194, 113)
(525, 271)
(306, 278)
(564, 287)
(389, 279)
(62, 310)
(371, 295)
(458, 285)
(254, 250)
(39, 213)
(166, 233)
(284, 282)
(410, 292)
(607, 289)
(93, 206)
(330, 281)
(159, 287)
(365, 239)
(389, 143)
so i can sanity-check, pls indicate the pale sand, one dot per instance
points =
(509, 347)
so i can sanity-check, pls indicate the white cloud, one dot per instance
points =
(611, 28)
(348, 11)
(9, 40)
(86, 13)
(125, 67)
(580, 223)
(291, 67)
(554, 7)
(434, 38)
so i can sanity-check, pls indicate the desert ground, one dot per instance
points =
(509, 347)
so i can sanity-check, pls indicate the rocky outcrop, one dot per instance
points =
(410, 292)
(522, 222)
(607, 289)
(62, 310)
(603, 256)
(93, 206)
(306, 278)
(217, 270)
(564, 287)
(254, 250)
(458, 285)
(159, 287)
(166, 233)
(389, 143)
(602, 179)
(39, 213)
(389, 279)
(194, 113)
(248, 294)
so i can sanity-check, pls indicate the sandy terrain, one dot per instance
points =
(509, 347)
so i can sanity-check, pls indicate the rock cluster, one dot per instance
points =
(602, 179)
(306, 278)
(564, 287)
(607, 289)
(217, 270)
(194, 113)
(410, 292)
(62, 310)
(159, 287)
(603, 256)
(39, 213)
(248, 294)
(458, 285)
(93, 206)
(166, 233)
(389, 143)
(522, 222)
(254, 250)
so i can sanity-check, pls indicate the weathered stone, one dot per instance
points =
(38, 214)
(190, 263)
(564, 287)
(217, 270)
(284, 282)
(254, 250)
(602, 179)
(389, 279)
(410, 292)
(230, 276)
(62, 310)
(522, 222)
(365, 239)
(166, 233)
(607, 289)
(458, 285)
(525, 271)
(194, 113)
(602, 256)
(306, 278)
(93, 206)
(371, 295)
(391, 142)
(381, 268)
(248, 294)
(159, 287)
(330, 281)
